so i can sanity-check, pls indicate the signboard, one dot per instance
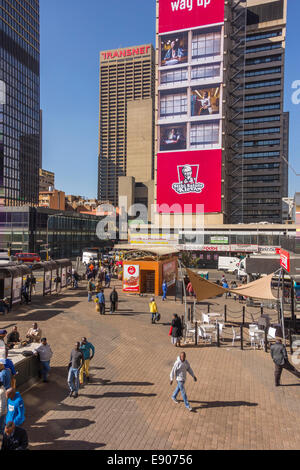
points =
(285, 260)
(170, 272)
(16, 290)
(175, 15)
(189, 179)
(219, 240)
(47, 282)
(131, 278)
(63, 277)
(130, 52)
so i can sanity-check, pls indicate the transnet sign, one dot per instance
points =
(188, 179)
(175, 15)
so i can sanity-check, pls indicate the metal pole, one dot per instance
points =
(225, 313)
(244, 312)
(218, 335)
(196, 335)
(242, 339)
(282, 309)
(266, 340)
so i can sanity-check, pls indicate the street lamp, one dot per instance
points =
(47, 247)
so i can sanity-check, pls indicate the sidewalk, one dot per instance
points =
(127, 405)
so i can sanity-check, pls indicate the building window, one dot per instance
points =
(263, 107)
(263, 60)
(251, 50)
(206, 71)
(173, 76)
(261, 96)
(271, 130)
(173, 105)
(204, 134)
(206, 44)
(263, 84)
(262, 155)
(259, 36)
(262, 143)
(254, 73)
(261, 119)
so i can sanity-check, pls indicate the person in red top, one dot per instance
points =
(190, 289)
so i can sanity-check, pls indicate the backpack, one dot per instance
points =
(157, 318)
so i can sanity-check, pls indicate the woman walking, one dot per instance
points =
(176, 330)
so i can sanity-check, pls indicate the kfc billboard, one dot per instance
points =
(189, 179)
(176, 15)
(131, 278)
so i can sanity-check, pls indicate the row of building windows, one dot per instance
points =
(254, 73)
(197, 73)
(261, 189)
(262, 166)
(271, 130)
(262, 143)
(265, 178)
(265, 35)
(267, 201)
(268, 47)
(262, 155)
(263, 107)
(263, 96)
(263, 84)
(264, 60)
(261, 119)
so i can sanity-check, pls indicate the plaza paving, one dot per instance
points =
(127, 405)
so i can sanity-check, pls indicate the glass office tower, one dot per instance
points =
(19, 102)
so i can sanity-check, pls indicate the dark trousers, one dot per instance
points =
(287, 366)
(102, 309)
(112, 307)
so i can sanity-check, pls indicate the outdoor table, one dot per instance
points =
(208, 327)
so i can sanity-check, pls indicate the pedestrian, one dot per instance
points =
(8, 364)
(114, 298)
(5, 375)
(190, 289)
(280, 358)
(107, 279)
(57, 282)
(153, 310)
(3, 333)
(164, 289)
(24, 295)
(76, 362)
(14, 438)
(33, 284)
(3, 407)
(13, 338)
(90, 289)
(15, 407)
(4, 306)
(88, 351)
(34, 334)
(27, 284)
(176, 330)
(180, 368)
(101, 299)
(45, 353)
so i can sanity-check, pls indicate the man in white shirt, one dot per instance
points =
(180, 368)
(45, 353)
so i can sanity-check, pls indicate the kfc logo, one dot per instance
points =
(131, 270)
(188, 180)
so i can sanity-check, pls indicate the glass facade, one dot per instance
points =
(20, 103)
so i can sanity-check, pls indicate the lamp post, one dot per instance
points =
(47, 248)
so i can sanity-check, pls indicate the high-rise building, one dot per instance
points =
(221, 130)
(127, 84)
(19, 102)
(258, 175)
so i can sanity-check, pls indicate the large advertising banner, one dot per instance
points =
(170, 272)
(189, 179)
(47, 281)
(63, 277)
(131, 278)
(16, 290)
(176, 15)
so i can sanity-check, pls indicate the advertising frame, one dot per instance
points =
(133, 275)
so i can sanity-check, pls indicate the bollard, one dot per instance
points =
(218, 336)
(196, 334)
(192, 313)
(261, 310)
(290, 337)
(189, 314)
(242, 339)
(266, 340)
(208, 308)
(244, 312)
(225, 313)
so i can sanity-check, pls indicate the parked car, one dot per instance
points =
(28, 257)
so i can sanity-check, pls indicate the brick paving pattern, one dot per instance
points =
(128, 403)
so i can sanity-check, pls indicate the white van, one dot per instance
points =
(228, 263)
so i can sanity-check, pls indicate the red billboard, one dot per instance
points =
(176, 15)
(189, 179)
(285, 260)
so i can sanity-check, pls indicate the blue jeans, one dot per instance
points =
(90, 296)
(153, 317)
(45, 369)
(73, 379)
(180, 388)
(2, 424)
(164, 295)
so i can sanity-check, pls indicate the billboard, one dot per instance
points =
(285, 260)
(205, 101)
(174, 49)
(173, 137)
(176, 15)
(131, 278)
(189, 178)
(170, 272)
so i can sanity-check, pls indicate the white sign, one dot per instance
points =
(17, 288)
(188, 180)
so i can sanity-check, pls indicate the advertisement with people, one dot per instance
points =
(189, 179)
(63, 277)
(16, 290)
(131, 278)
(205, 101)
(47, 282)
(174, 49)
(173, 138)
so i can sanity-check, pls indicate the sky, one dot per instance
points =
(73, 33)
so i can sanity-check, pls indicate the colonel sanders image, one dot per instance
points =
(187, 173)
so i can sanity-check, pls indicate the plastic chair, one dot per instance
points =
(204, 335)
(235, 336)
(205, 318)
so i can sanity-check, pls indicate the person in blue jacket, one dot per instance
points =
(15, 407)
(164, 289)
(5, 375)
(101, 299)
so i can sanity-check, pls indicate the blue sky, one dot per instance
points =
(73, 33)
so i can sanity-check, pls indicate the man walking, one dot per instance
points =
(280, 359)
(45, 353)
(15, 407)
(76, 363)
(90, 288)
(114, 298)
(88, 351)
(153, 309)
(101, 299)
(164, 289)
(180, 368)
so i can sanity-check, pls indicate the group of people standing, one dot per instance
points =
(79, 365)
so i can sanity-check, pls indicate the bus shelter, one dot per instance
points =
(11, 282)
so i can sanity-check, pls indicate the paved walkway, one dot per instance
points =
(127, 405)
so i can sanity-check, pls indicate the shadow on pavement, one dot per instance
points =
(69, 445)
(120, 395)
(127, 384)
(221, 404)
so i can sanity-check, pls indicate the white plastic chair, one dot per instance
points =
(252, 330)
(204, 335)
(235, 336)
(189, 331)
(205, 318)
(271, 334)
